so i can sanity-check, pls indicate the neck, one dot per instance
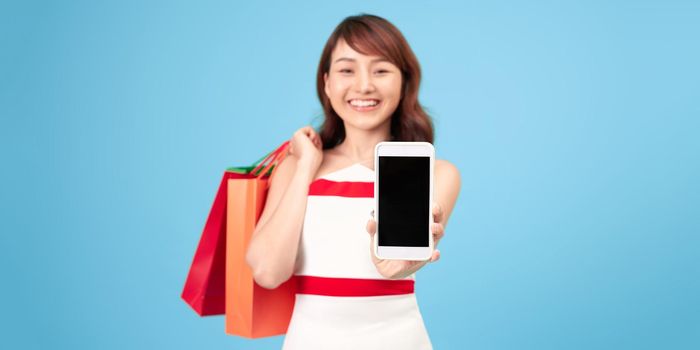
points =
(358, 145)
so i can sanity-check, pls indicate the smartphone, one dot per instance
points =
(403, 190)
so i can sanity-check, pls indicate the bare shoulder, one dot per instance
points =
(447, 173)
(447, 185)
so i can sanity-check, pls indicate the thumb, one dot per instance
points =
(372, 230)
(371, 225)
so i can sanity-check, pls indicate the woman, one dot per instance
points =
(367, 81)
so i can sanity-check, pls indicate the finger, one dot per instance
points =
(312, 135)
(371, 223)
(318, 142)
(372, 232)
(436, 256)
(437, 212)
(309, 131)
(438, 231)
(371, 227)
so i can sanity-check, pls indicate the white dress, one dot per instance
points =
(342, 301)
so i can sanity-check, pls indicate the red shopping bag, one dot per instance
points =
(204, 288)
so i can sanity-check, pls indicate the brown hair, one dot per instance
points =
(373, 35)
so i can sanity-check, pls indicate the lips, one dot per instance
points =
(364, 105)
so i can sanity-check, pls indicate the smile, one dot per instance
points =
(364, 105)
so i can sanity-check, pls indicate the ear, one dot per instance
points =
(325, 85)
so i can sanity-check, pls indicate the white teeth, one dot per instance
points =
(363, 103)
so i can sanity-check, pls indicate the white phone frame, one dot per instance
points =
(405, 149)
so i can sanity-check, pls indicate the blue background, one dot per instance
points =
(575, 126)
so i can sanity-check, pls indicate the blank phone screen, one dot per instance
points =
(404, 191)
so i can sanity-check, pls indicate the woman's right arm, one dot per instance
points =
(273, 248)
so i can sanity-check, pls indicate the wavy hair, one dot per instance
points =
(373, 35)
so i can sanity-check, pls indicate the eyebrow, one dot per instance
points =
(381, 59)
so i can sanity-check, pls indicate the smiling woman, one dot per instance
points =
(365, 90)
(315, 222)
(368, 54)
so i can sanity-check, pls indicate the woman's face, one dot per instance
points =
(363, 90)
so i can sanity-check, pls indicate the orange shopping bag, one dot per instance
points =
(252, 311)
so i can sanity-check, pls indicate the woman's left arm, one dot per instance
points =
(446, 189)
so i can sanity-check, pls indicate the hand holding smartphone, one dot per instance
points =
(403, 190)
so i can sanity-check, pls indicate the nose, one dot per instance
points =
(364, 83)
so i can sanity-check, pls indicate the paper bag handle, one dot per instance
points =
(274, 158)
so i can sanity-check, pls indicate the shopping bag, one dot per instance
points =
(251, 311)
(204, 288)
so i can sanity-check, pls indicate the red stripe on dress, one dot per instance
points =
(352, 287)
(323, 187)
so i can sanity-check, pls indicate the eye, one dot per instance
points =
(383, 69)
(345, 70)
